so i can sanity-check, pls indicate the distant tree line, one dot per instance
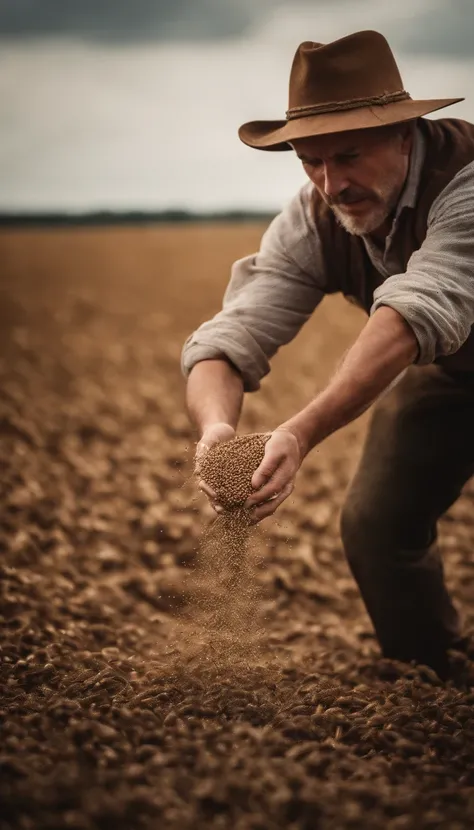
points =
(134, 217)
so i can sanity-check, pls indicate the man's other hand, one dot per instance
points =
(274, 480)
(214, 434)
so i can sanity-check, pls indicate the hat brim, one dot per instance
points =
(275, 135)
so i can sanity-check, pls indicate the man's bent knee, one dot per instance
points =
(384, 529)
(360, 529)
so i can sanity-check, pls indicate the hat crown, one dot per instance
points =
(359, 66)
(350, 84)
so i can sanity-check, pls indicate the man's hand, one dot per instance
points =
(214, 434)
(274, 480)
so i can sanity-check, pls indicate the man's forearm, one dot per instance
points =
(384, 348)
(214, 393)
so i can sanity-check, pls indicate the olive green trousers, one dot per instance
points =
(418, 454)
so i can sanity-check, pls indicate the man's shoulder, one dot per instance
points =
(456, 200)
(299, 206)
(459, 125)
(292, 236)
(449, 144)
(448, 139)
(295, 219)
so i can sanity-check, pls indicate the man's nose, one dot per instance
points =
(334, 180)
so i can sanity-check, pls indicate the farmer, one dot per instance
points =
(387, 218)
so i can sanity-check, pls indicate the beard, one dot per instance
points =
(381, 202)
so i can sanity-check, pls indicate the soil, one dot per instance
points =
(142, 685)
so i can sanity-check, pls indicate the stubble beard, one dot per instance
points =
(385, 199)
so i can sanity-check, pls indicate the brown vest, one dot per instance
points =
(449, 148)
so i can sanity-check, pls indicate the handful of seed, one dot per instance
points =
(228, 468)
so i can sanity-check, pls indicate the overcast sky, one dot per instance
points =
(120, 105)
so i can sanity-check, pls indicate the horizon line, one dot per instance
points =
(117, 217)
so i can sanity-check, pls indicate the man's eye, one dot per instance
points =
(349, 156)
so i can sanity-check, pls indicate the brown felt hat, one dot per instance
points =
(350, 84)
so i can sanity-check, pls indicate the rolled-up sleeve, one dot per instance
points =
(436, 293)
(271, 294)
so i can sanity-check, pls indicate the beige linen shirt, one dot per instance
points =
(272, 293)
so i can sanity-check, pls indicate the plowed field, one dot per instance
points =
(123, 704)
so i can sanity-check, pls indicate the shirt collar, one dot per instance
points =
(409, 193)
(417, 157)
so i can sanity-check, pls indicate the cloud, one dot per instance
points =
(132, 20)
(442, 28)
(412, 27)
(154, 126)
(150, 120)
(421, 26)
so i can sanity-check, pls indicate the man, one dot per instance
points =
(387, 218)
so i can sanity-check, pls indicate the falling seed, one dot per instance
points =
(230, 601)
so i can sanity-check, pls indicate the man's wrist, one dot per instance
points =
(294, 427)
(310, 426)
(210, 423)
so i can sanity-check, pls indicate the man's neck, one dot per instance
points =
(379, 235)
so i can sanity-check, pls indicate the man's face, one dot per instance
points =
(359, 174)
